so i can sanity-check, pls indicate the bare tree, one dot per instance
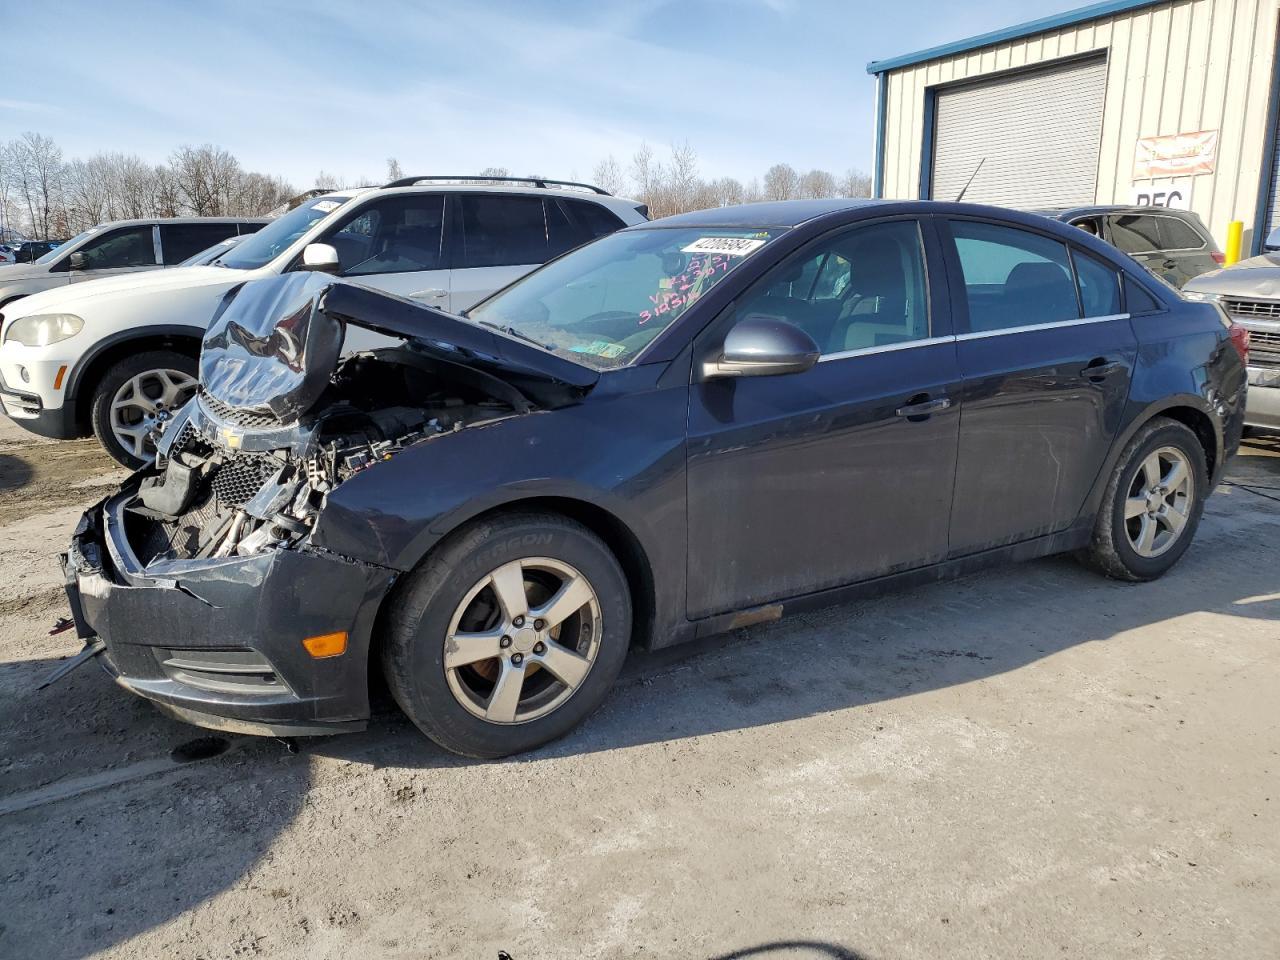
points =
(608, 176)
(393, 170)
(496, 173)
(780, 182)
(37, 164)
(206, 178)
(816, 184)
(728, 192)
(855, 183)
(685, 187)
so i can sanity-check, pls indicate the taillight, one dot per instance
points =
(1240, 340)
(1219, 258)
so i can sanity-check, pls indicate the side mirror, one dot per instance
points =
(79, 261)
(760, 346)
(1273, 240)
(321, 258)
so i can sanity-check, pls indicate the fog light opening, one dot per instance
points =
(24, 374)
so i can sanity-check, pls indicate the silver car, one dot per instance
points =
(1249, 292)
(121, 246)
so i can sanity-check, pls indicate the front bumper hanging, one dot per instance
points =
(218, 642)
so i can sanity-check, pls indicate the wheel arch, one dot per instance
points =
(1188, 409)
(88, 372)
(610, 528)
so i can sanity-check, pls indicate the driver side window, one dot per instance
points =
(397, 235)
(129, 247)
(860, 289)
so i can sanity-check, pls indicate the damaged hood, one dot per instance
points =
(275, 343)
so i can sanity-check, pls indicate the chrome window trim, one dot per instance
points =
(1027, 328)
(885, 348)
(979, 335)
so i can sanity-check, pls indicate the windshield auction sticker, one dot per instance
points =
(730, 246)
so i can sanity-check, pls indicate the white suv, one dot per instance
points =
(110, 355)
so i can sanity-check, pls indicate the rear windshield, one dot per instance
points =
(603, 303)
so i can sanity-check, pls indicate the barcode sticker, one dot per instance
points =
(730, 246)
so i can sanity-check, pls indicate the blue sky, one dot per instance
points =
(535, 86)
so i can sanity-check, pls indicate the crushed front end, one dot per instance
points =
(203, 577)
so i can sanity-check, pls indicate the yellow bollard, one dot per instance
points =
(1235, 239)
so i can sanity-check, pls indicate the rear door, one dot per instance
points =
(497, 238)
(1167, 246)
(844, 472)
(1046, 355)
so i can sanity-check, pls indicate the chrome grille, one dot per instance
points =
(1264, 340)
(229, 414)
(1252, 309)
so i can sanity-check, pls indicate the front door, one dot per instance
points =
(394, 244)
(844, 472)
(122, 250)
(1046, 353)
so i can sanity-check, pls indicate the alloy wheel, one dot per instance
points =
(522, 640)
(141, 401)
(1159, 502)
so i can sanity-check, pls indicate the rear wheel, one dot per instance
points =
(1152, 505)
(133, 394)
(509, 635)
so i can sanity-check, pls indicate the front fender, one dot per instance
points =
(393, 513)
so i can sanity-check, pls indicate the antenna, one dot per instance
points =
(965, 189)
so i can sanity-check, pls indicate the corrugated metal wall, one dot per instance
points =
(998, 134)
(1175, 68)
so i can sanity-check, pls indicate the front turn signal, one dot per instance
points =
(327, 645)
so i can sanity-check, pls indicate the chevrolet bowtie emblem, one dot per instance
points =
(231, 437)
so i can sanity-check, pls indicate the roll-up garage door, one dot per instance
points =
(1035, 134)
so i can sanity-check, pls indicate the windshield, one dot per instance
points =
(58, 248)
(602, 304)
(262, 247)
(210, 253)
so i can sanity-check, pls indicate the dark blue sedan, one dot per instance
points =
(688, 426)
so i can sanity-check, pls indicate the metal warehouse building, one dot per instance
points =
(1128, 101)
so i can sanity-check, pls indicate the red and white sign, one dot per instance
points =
(1178, 155)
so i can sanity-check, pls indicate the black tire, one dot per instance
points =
(115, 377)
(414, 644)
(1110, 551)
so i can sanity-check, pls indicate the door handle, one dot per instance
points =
(922, 407)
(1100, 368)
(433, 294)
(1169, 264)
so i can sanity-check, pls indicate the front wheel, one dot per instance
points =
(133, 395)
(1152, 505)
(509, 635)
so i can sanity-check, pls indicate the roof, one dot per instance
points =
(1070, 18)
(1099, 209)
(773, 213)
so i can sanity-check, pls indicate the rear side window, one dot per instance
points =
(1175, 234)
(1135, 233)
(502, 231)
(1012, 277)
(178, 241)
(1099, 286)
(1137, 300)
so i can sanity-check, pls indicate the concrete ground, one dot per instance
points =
(1032, 762)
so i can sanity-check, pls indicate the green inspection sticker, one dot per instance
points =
(600, 348)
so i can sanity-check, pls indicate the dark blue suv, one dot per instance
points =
(685, 427)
